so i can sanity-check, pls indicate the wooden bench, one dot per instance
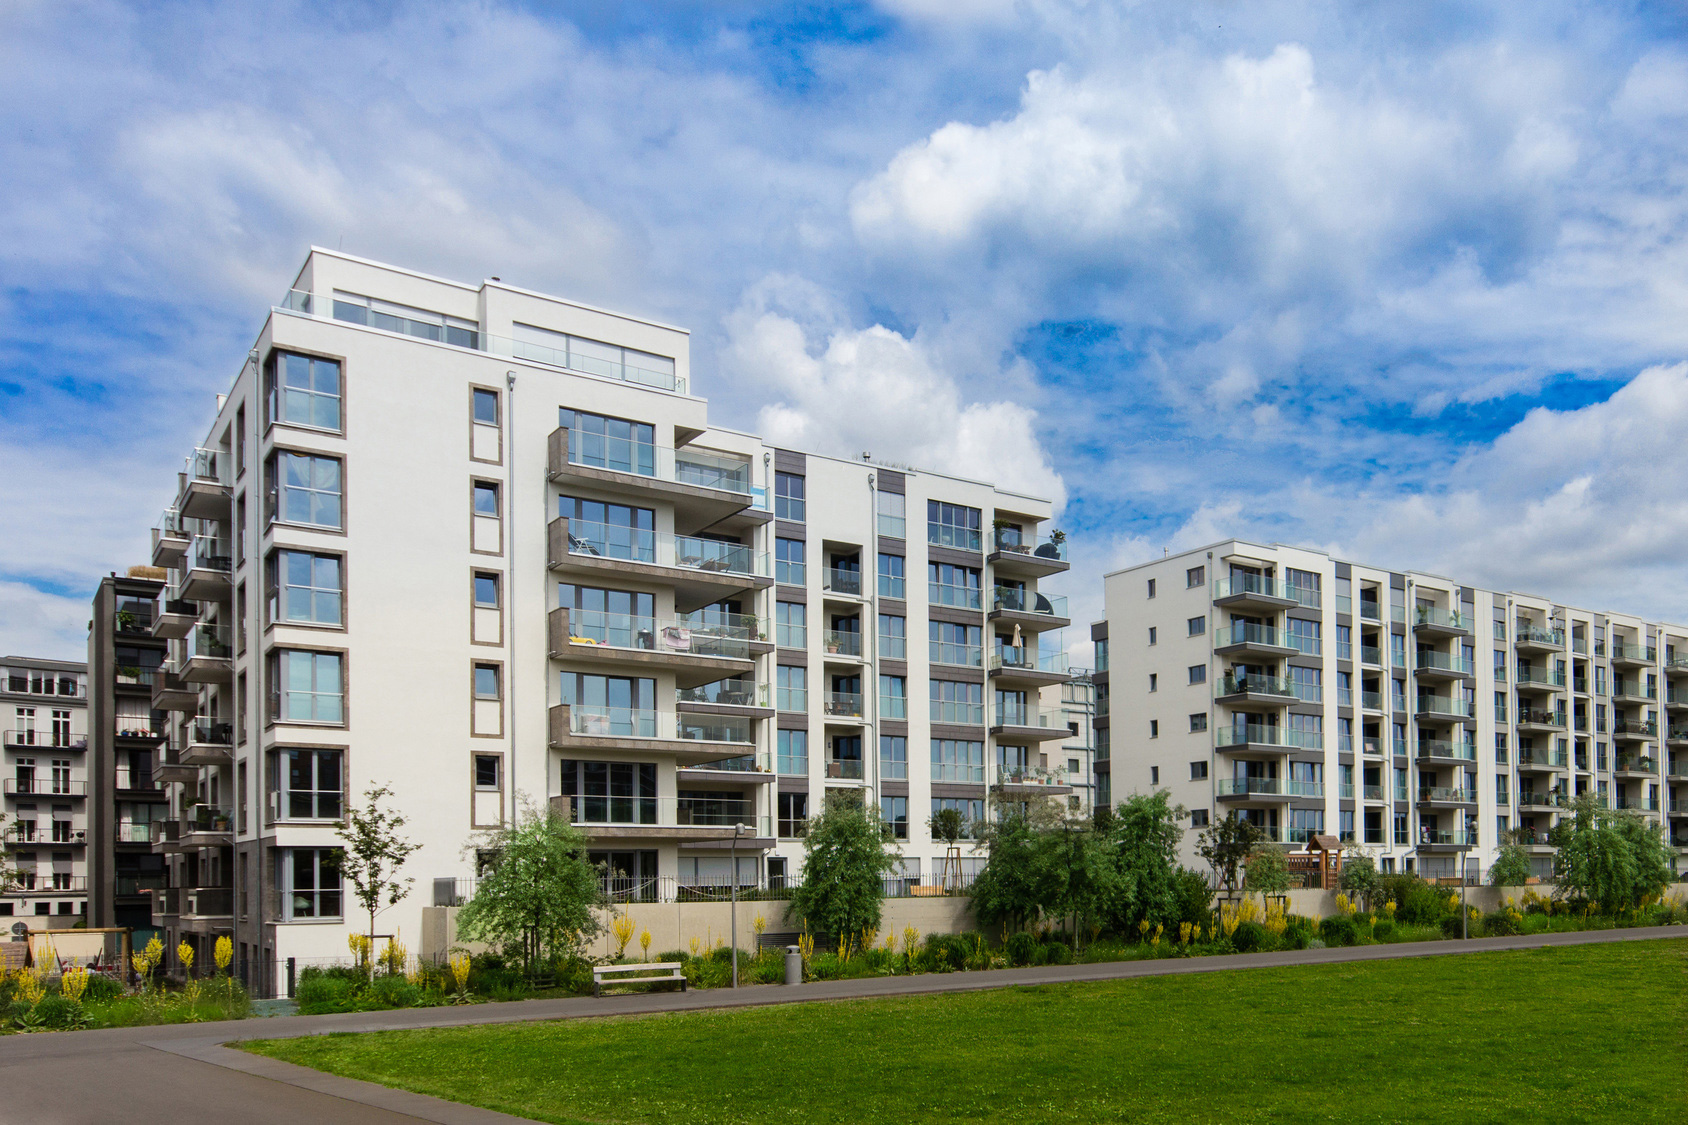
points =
(618, 974)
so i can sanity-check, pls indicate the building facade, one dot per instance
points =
(44, 791)
(1425, 719)
(483, 547)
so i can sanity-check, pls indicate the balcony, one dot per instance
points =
(1626, 691)
(1444, 709)
(1266, 788)
(208, 742)
(1536, 638)
(1037, 558)
(1251, 688)
(1643, 767)
(1627, 655)
(700, 571)
(207, 909)
(1636, 804)
(1442, 796)
(43, 740)
(1678, 808)
(696, 655)
(1677, 736)
(1030, 781)
(741, 692)
(203, 826)
(1635, 729)
(1431, 621)
(1027, 665)
(1370, 610)
(1542, 801)
(45, 787)
(1371, 793)
(1265, 737)
(1243, 639)
(1431, 839)
(704, 486)
(1253, 591)
(842, 646)
(843, 769)
(1676, 666)
(1544, 760)
(1032, 611)
(1539, 679)
(171, 693)
(207, 657)
(1534, 718)
(176, 620)
(169, 539)
(844, 707)
(205, 486)
(1433, 665)
(1028, 723)
(693, 739)
(44, 883)
(204, 573)
(1676, 700)
(1444, 751)
(683, 819)
(751, 769)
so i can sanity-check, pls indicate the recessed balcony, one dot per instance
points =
(1445, 797)
(700, 571)
(1531, 679)
(1032, 611)
(844, 708)
(1444, 709)
(693, 739)
(1627, 691)
(1543, 761)
(1265, 738)
(1243, 639)
(1636, 766)
(1537, 638)
(1235, 689)
(1536, 719)
(1542, 800)
(1432, 621)
(751, 769)
(1446, 840)
(1433, 665)
(1633, 656)
(843, 646)
(1267, 789)
(1441, 751)
(742, 695)
(1032, 781)
(696, 655)
(1253, 592)
(205, 486)
(705, 487)
(1028, 723)
(682, 819)
(1633, 730)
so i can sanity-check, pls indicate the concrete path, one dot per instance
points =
(184, 1073)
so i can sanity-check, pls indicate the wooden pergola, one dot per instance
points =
(1320, 865)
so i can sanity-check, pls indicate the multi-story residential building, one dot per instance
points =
(1420, 717)
(44, 791)
(127, 746)
(1078, 752)
(483, 547)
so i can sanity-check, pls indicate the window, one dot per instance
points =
(1198, 771)
(789, 568)
(891, 582)
(1198, 818)
(306, 687)
(486, 589)
(1154, 775)
(305, 490)
(1195, 576)
(304, 588)
(972, 812)
(1198, 673)
(893, 637)
(486, 498)
(952, 525)
(616, 444)
(953, 702)
(610, 792)
(950, 643)
(1154, 681)
(1307, 684)
(893, 757)
(304, 391)
(958, 760)
(313, 883)
(791, 688)
(1151, 587)
(1304, 635)
(1196, 625)
(405, 320)
(793, 756)
(893, 697)
(1303, 586)
(953, 585)
(1151, 634)
(487, 682)
(791, 624)
(1154, 728)
(894, 812)
(789, 497)
(1198, 723)
(313, 784)
(892, 509)
(793, 814)
(488, 771)
(486, 407)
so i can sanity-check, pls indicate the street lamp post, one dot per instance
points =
(737, 828)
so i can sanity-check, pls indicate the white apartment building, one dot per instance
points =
(44, 789)
(483, 546)
(1407, 712)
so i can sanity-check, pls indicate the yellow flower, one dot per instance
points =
(223, 953)
(911, 938)
(184, 954)
(645, 943)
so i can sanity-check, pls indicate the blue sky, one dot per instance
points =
(1405, 281)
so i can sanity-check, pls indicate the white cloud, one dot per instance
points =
(36, 623)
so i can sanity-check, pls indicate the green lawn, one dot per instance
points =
(1577, 1033)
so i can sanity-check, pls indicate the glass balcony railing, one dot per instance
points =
(210, 642)
(1371, 793)
(1447, 837)
(1540, 717)
(640, 545)
(698, 467)
(1443, 705)
(630, 722)
(844, 704)
(1444, 748)
(1540, 677)
(210, 466)
(1645, 728)
(1259, 684)
(1006, 714)
(1256, 584)
(1447, 793)
(1629, 689)
(843, 643)
(1537, 756)
(1444, 618)
(1429, 659)
(949, 535)
(1243, 633)
(1009, 542)
(846, 769)
(731, 693)
(1012, 599)
(1371, 654)
(208, 553)
(1264, 734)
(1370, 611)
(837, 581)
(1634, 653)
(1626, 764)
(1031, 775)
(1371, 700)
(1027, 659)
(653, 634)
(1527, 633)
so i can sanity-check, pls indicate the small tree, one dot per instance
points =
(1611, 858)
(1359, 876)
(373, 854)
(1144, 845)
(1267, 872)
(538, 898)
(1511, 867)
(849, 855)
(1009, 891)
(1225, 844)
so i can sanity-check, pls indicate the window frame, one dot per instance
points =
(275, 489)
(276, 668)
(786, 501)
(285, 756)
(274, 388)
(321, 866)
(276, 586)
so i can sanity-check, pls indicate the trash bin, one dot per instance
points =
(793, 965)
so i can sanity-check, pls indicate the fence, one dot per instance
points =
(667, 888)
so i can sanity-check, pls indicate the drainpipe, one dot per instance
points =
(510, 584)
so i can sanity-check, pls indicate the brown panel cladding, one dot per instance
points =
(889, 480)
(896, 607)
(955, 616)
(955, 731)
(893, 727)
(794, 785)
(790, 529)
(892, 546)
(894, 667)
(791, 594)
(952, 789)
(935, 553)
(1098, 630)
(791, 720)
(894, 788)
(956, 675)
(793, 657)
(785, 461)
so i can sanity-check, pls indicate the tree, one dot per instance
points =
(538, 897)
(1606, 857)
(1359, 876)
(373, 855)
(1144, 845)
(1225, 844)
(1511, 867)
(1009, 891)
(1267, 871)
(849, 854)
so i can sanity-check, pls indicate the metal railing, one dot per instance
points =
(1006, 542)
(1241, 584)
(44, 787)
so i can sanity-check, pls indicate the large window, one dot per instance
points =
(891, 508)
(617, 706)
(791, 688)
(952, 585)
(622, 618)
(305, 490)
(893, 697)
(1304, 635)
(891, 580)
(312, 784)
(306, 687)
(616, 531)
(793, 815)
(950, 643)
(408, 321)
(957, 760)
(791, 624)
(610, 443)
(793, 753)
(972, 812)
(893, 636)
(789, 497)
(953, 702)
(312, 882)
(610, 792)
(893, 757)
(304, 588)
(789, 568)
(594, 357)
(304, 391)
(894, 812)
(952, 525)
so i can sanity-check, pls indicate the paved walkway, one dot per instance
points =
(183, 1072)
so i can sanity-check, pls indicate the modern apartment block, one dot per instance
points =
(483, 547)
(1407, 712)
(44, 791)
(126, 748)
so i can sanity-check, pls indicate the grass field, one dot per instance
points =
(1577, 1033)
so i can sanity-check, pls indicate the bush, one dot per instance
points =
(394, 992)
(1499, 924)
(1059, 954)
(1315, 943)
(703, 972)
(101, 989)
(1384, 930)
(1417, 902)
(1339, 929)
(679, 955)
(55, 1011)
(1251, 937)
(1020, 948)
(321, 993)
(768, 969)
(1192, 898)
